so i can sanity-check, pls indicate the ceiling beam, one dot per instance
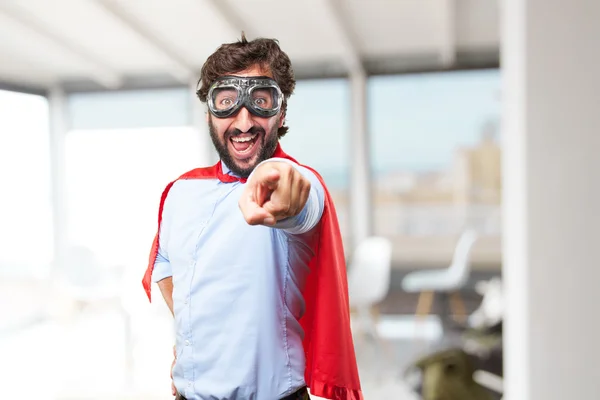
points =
(338, 15)
(20, 88)
(448, 33)
(99, 71)
(180, 68)
(231, 18)
(374, 66)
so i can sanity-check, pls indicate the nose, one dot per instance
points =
(243, 120)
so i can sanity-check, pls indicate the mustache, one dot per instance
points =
(235, 132)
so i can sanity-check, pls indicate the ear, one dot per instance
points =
(281, 119)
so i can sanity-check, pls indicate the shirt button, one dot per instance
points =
(185, 301)
(189, 384)
(187, 342)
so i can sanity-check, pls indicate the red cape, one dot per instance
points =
(331, 370)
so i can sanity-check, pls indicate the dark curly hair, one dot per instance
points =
(238, 56)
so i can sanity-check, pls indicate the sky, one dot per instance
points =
(414, 121)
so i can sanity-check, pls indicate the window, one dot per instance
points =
(25, 206)
(114, 182)
(318, 116)
(436, 162)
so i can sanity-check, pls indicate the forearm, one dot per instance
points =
(306, 219)
(166, 289)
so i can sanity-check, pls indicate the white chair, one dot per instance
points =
(491, 310)
(369, 280)
(449, 280)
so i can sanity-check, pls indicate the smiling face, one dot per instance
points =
(243, 140)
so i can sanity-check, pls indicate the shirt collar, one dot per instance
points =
(226, 170)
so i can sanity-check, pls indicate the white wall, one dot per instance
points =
(551, 61)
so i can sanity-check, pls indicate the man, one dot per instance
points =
(248, 253)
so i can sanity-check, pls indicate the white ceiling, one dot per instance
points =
(112, 43)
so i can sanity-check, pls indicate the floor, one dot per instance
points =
(52, 350)
(85, 359)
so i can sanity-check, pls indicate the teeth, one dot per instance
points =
(243, 139)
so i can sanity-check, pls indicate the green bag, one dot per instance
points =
(448, 375)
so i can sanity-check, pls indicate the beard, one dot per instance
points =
(266, 141)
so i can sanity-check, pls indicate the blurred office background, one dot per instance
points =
(403, 108)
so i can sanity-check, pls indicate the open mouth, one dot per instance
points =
(244, 145)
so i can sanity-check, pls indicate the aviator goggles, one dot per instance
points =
(260, 95)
